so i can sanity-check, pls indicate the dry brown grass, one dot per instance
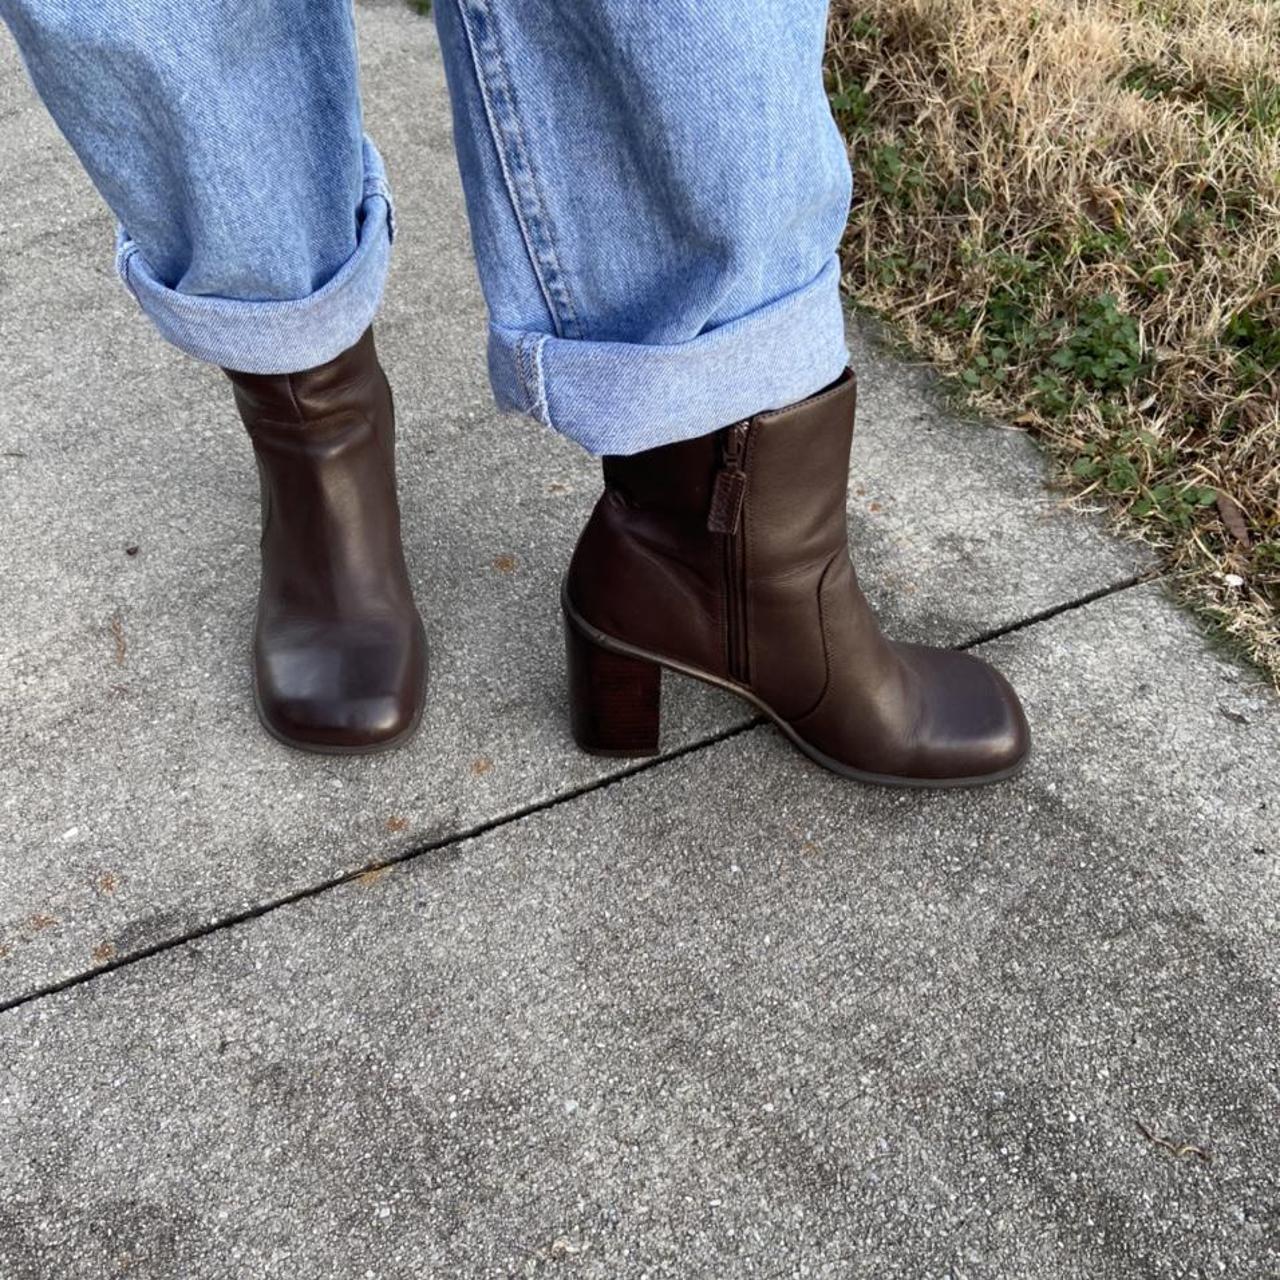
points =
(1075, 206)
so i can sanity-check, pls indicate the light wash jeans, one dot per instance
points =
(656, 191)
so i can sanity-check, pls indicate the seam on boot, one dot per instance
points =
(826, 647)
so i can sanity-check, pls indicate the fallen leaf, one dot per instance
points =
(1233, 518)
(396, 824)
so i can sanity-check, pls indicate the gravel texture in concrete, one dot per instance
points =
(730, 1016)
(140, 800)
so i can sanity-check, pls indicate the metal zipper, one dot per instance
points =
(725, 517)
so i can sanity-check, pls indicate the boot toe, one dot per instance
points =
(342, 693)
(972, 725)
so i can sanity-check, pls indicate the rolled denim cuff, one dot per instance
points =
(277, 336)
(620, 397)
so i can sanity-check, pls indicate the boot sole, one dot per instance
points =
(611, 645)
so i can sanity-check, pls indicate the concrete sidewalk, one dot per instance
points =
(719, 1015)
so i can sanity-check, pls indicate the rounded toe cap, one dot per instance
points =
(339, 725)
(972, 727)
(342, 698)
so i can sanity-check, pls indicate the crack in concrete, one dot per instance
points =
(507, 819)
(1079, 602)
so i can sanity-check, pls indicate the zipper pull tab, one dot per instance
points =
(731, 482)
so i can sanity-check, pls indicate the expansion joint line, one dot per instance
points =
(505, 820)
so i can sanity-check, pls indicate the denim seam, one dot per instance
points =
(540, 382)
(375, 183)
(523, 190)
(557, 277)
(528, 354)
(522, 371)
(124, 251)
(378, 190)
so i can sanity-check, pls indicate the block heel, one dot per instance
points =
(614, 699)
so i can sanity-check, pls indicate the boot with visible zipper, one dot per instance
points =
(339, 652)
(727, 558)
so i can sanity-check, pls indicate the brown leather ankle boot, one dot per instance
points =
(339, 653)
(727, 558)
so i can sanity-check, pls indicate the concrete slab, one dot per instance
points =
(729, 1017)
(139, 799)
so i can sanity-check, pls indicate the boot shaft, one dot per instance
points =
(797, 481)
(324, 441)
(779, 479)
(702, 549)
(347, 383)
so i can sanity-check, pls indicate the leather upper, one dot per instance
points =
(339, 648)
(649, 572)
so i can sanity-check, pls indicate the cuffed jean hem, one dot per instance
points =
(622, 398)
(277, 336)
